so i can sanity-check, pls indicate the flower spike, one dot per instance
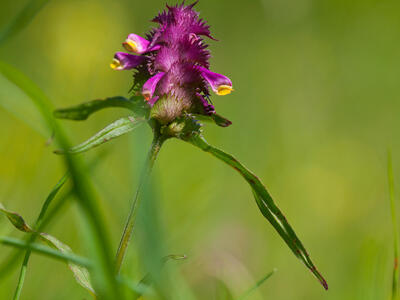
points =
(220, 84)
(126, 61)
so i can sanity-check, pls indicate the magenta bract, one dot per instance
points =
(175, 60)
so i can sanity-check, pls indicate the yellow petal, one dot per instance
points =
(224, 90)
(130, 46)
(116, 64)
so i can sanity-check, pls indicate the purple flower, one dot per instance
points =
(174, 61)
(137, 44)
(126, 61)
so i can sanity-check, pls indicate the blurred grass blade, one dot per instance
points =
(146, 280)
(222, 291)
(10, 262)
(113, 130)
(22, 19)
(81, 274)
(96, 232)
(45, 250)
(395, 278)
(83, 111)
(265, 203)
(257, 285)
(37, 227)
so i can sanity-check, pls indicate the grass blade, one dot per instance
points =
(265, 203)
(130, 222)
(83, 111)
(45, 250)
(257, 285)
(97, 237)
(81, 274)
(37, 226)
(9, 263)
(395, 278)
(111, 131)
(27, 14)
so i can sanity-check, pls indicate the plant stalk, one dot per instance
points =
(395, 276)
(158, 140)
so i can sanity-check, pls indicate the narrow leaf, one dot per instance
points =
(22, 19)
(96, 236)
(84, 110)
(257, 285)
(265, 203)
(11, 261)
(37, 226)
(214, 118)
(113, 130)
(81, 274)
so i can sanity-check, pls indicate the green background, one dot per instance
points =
(315, 108)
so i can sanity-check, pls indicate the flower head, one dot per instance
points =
(174, 61)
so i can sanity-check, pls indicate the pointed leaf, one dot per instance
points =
(113, 130)
(80, 273)
(16, 220)
(214, 118)
(96, 234)
(265, 203)
(84, 110)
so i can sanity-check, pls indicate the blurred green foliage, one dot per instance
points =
(315, 107)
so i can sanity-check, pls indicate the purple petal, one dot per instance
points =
(220, 84)
(150, 86)
(126, 61)
(137, 44)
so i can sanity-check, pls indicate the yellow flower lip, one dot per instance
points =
(224, 90)
(131, 46)
(116, 64)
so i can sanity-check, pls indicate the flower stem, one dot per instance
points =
(130, 223)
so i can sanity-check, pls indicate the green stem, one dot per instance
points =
(45, 250)
(130, 223)
(395, 231)
(37, 227)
